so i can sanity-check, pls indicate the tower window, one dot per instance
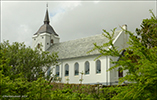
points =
(51, 41)
(47, 43)
(42, 37)
(38, 45)
(34, 39)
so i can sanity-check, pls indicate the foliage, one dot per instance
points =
(39, 89)
(147, 33)
(74, 91)
(3, 69)
(140, 59)
(13, 84)
(27, 61)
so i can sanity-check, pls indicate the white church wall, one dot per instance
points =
(91, 78)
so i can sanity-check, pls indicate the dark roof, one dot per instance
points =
(46, 27)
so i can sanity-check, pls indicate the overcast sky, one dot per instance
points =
(70, 19)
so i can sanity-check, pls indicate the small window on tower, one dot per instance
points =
(51, 41)
(42, 37)
(34, 39)
(47, 43)
(38, 45)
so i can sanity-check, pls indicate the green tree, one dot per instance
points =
(3, 69)
(27, 61)
(140, 59)
(147, 33)
(18, 84)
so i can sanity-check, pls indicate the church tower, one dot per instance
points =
(45, 35)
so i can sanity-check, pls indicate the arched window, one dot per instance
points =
(98, 66)
(120, 72)
(87, 69)
(57, 71)
(66, 70)
(76, 69)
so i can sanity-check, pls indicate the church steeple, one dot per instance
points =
(45, 35)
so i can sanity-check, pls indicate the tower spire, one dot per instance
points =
(46, 20)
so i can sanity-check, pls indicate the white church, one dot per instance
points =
(73, 57)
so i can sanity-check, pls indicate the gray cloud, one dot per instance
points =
(71, 20)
